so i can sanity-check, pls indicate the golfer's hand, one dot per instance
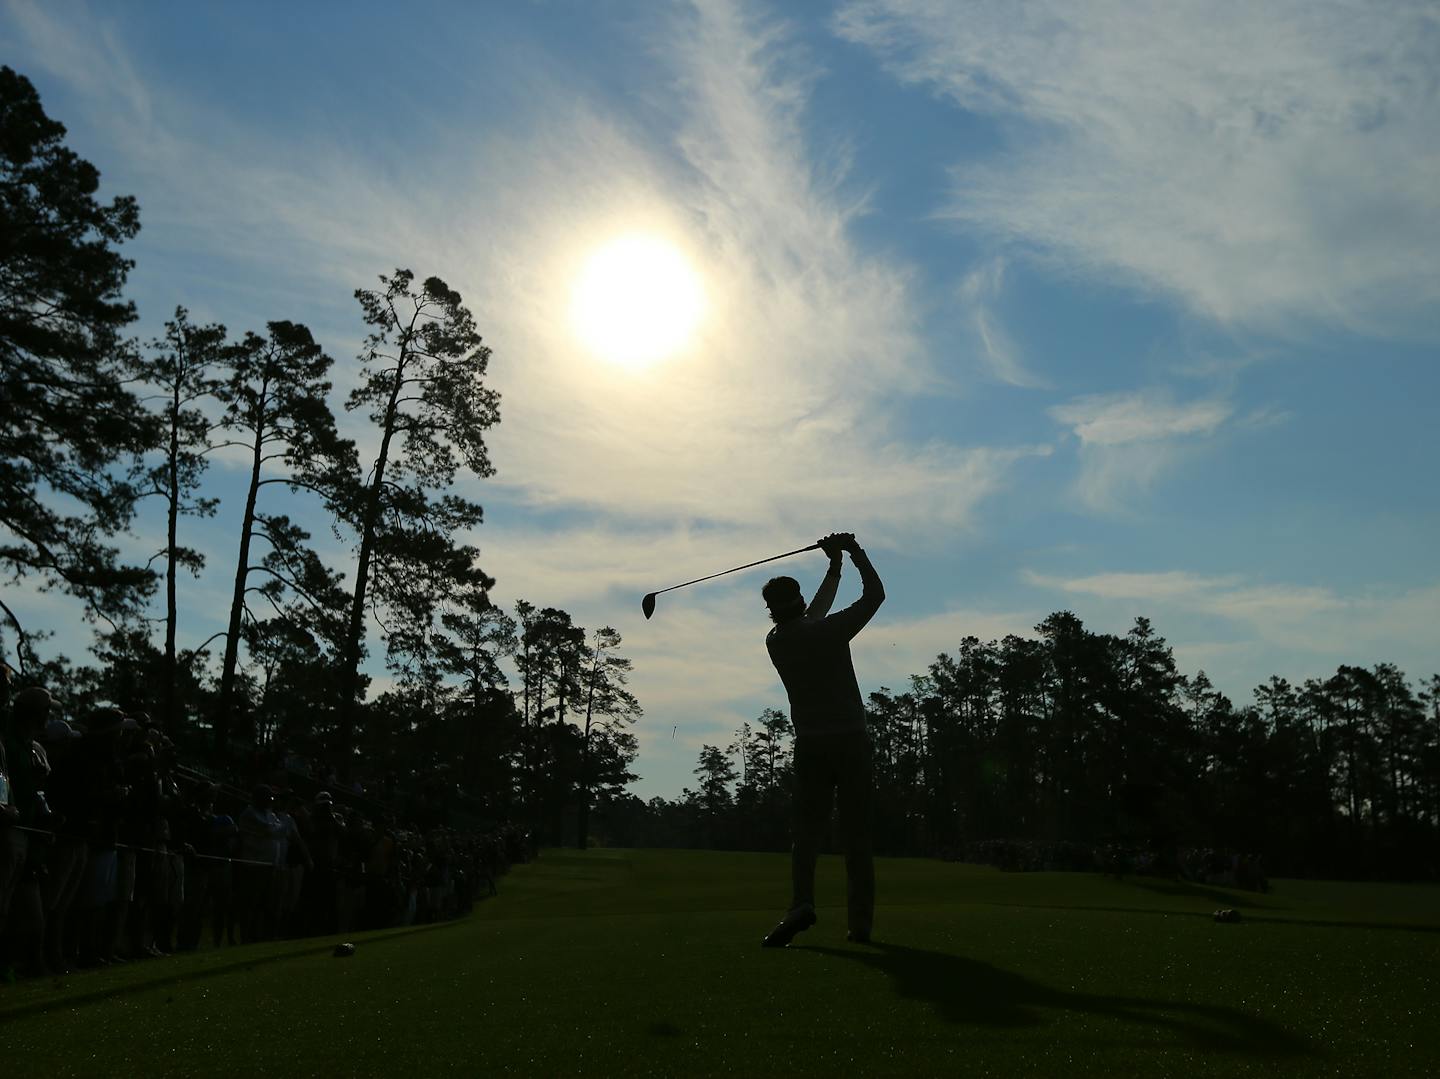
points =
(847, 541)
(833, 545)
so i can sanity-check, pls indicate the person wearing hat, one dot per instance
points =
(21, 804)
(295, 861)
(65, 865)
(319, 900)
(29, 770)
(101, 781)
(211, 837)
(810, 649)
(262, 834)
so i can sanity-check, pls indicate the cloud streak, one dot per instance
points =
(1265, 164)
(1310, 618)
(1127, 441)
(978, 293)
(785, 415)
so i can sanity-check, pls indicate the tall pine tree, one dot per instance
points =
(422, 386)
(68, 422)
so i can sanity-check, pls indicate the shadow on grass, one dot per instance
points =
(1189, 890)
(971, 992)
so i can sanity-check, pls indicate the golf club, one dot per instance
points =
(648, 603)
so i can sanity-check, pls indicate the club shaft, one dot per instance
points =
(737, 569)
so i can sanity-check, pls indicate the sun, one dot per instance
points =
(636, 301)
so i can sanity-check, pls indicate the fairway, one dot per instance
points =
(616, 962)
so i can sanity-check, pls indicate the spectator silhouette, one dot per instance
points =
(65, 863)
(21, 779)
(262, 837)
(22, 855)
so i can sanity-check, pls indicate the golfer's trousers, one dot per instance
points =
(831, 769)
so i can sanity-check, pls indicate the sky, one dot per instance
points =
(1122, 309)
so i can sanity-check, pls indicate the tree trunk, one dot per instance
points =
(533, 753)
(350, 671)
(582, 838)
(525, 725)
(476, 740)
(558, 770)
(237, 598)
(167, 689)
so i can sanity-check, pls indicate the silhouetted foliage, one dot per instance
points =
(68, 422)
(179, 370)
(714, 800)
(607, 748)
(421, 385)
(77, 450)
(1079, 741)
(273, 393)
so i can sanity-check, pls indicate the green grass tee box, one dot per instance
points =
(615, 962)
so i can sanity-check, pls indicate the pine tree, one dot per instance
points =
(274, 392)
(606, 748)
(422, 387)
(179, 368)
(68, 421)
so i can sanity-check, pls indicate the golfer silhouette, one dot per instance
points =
(811, 651)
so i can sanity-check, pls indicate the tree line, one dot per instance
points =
(101, 432)
(1074, 736)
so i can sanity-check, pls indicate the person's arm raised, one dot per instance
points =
(825, 592)
(852, 619)
(873, 591)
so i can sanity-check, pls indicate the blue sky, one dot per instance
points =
(1122, 309)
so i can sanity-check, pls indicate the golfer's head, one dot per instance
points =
(782, 596)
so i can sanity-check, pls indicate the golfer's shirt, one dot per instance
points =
(812, 656)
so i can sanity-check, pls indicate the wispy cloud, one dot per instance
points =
(1263, 163)
(785, 412)
(1137, 586)
(1118, 419)
(978, 293)
(1309, 617)
(783, 418)
(1128, 440)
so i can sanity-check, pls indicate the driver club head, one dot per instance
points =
(648, 604)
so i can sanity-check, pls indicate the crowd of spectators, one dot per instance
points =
(112, 851)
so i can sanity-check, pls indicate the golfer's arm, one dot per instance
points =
(845, 624)
(872, 592)
(825, 593)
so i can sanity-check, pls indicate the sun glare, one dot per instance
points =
(637, 300)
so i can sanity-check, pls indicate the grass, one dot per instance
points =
(647, 963)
